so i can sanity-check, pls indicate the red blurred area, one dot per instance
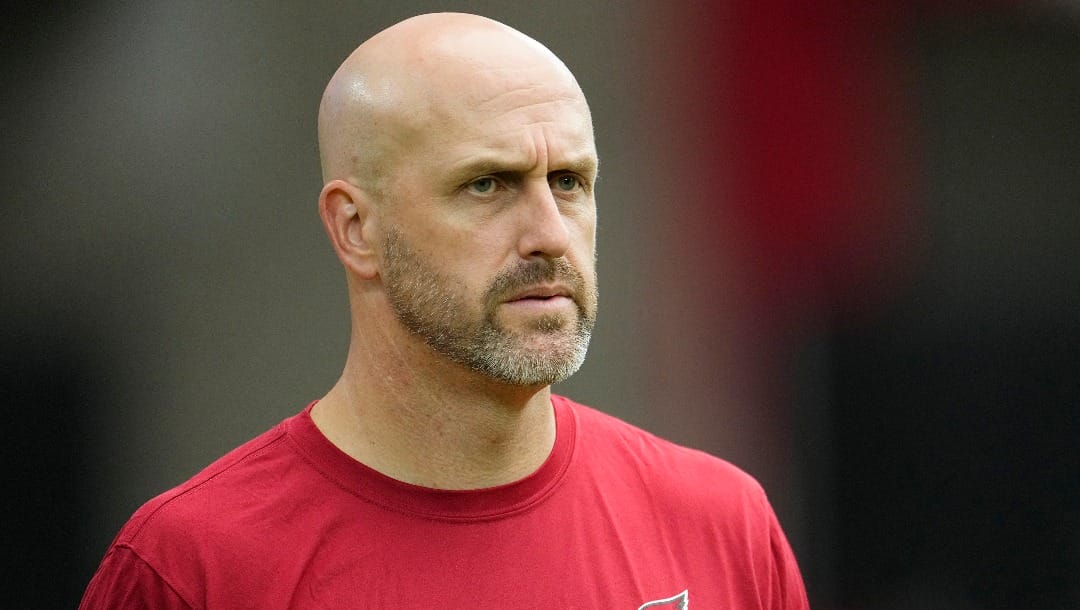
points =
(810, 111)
(823, 179)
(813, 104)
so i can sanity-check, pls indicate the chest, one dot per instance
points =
(568, 554)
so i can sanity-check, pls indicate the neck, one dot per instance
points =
(416, 417)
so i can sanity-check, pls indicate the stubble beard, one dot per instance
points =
(432, 306)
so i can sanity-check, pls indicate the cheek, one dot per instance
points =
(584, 236)
(472, 264)
(586, 224)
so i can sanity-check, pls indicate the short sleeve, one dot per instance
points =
(124, 580)
(789, 592)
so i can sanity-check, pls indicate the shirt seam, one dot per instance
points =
(157, 573)
(182, 494)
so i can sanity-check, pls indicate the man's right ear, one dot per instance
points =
(347, 217)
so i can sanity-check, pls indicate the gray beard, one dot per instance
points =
(427, 304)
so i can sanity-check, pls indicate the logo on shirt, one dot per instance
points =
(678, 602)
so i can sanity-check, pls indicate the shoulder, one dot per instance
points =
(617, 449)
(683, 498)
(212, 526)
(200, 500)
(180, 538)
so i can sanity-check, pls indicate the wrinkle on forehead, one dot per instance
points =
(521, 96)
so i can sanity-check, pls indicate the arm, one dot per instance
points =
(788, 591)
(124, 580)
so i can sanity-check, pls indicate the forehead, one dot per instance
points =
(521, 122)
(475, 98)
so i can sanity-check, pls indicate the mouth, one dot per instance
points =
(554, 292)
(544, 301)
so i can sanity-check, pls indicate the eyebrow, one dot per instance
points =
(585, 166)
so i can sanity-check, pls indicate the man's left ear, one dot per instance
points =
(346, 214)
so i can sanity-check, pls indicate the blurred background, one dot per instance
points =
(838, 247)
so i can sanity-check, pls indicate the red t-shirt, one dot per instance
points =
(616, 518)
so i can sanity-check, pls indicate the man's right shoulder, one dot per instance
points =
(205, 499)
(209, 530)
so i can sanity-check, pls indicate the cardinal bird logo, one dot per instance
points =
(677, 602)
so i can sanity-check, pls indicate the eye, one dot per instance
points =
(482, 186)
(567, 182)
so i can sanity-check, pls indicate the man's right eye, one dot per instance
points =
(482, 186)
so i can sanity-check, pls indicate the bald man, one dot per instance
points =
(440, 471)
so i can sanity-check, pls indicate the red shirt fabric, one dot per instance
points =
(616, 518)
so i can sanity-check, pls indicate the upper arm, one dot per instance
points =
(124, 580)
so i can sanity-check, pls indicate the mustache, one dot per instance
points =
(532, 272)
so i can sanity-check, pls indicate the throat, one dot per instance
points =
(441, 445)
(486, 447)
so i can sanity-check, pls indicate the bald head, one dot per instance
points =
(391, 92)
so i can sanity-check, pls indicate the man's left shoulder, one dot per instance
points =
(657, 461)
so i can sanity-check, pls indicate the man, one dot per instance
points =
(440, 471)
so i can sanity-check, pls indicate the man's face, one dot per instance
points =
(489, 230)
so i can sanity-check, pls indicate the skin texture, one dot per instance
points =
(459, 166)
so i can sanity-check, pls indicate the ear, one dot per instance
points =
(347, 217)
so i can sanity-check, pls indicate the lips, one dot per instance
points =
(536, 282)
(541, 293)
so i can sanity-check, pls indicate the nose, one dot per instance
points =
(543, 230)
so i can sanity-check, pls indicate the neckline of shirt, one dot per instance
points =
(437, 504)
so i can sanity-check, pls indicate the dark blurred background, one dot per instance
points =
(838, 246)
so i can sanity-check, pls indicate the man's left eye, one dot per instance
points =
(567, 182)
